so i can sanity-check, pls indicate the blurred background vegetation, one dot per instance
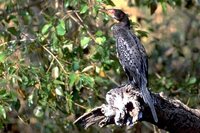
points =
(57, 59)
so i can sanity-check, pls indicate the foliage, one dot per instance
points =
(57, 60)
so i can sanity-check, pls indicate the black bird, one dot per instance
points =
(132, 56)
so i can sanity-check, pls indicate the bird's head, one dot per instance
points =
(117, 14)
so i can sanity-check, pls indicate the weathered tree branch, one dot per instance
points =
(125, 106)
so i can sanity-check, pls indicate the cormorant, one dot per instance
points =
(132, 56)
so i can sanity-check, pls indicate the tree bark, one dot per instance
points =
(125, 106)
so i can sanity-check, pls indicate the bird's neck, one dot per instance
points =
(125, 22)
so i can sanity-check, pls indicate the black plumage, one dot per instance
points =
(132, 56)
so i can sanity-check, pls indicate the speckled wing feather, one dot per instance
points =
(130, 56)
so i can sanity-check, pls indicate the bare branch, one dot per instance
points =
(125, 106)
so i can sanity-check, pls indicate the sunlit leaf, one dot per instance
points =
(88, 68)
(30, 99)
(60, 28)
(192, 80)
(100, 40)
(2, 112)
(164, 7)
(84, 8)
(45, 28)
(58, 82)
(84, 42)
(2, 57)
(69, 47)
(55, 72)
(59, 90)
(38, 111)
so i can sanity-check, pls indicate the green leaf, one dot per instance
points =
(164, 7)
(59, 90)
(88, 68)
(109, 2)
(69, 102)
(84, 42)
(69, 47)
(30, 99)
(3, 94)
(73, 78)
(54, 38)
(100, 40)
(45, 28)
(2, 112)
(75, 65)
(88, 80)
(13, 31)
(171, 3)
(2, 57)
(38, 111)
(192, 80)
(13, 96)
(99, 33)
(142, 33)
(55, 72)
(84, 8)
(60, 28)
(58, 82)
(153, 6)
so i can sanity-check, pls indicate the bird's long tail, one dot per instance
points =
(148, 100)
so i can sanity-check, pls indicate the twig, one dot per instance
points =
(79, 105)
(115, 82)
(55, 59)
(50, 65)
(79, 21)
(76, 104)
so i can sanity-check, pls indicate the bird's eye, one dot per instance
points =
(121, 15)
